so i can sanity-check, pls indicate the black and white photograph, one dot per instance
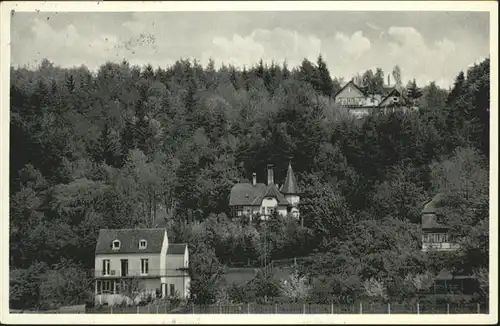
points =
(244, 162)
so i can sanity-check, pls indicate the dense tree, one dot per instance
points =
(137, 147)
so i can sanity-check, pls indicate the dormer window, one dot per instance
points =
(143, 244)
(115, 245)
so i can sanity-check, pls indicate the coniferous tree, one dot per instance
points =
(413, 91)
(325, 86)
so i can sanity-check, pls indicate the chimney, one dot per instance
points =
(254, 178)
(388, 80)
(270, 174)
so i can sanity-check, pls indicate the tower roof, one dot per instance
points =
(290, 186)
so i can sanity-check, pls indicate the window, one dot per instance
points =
(124, 267)
(263, 210)
(271, 210)
(106, 286)
(172, 289)
(236, 210)
(144, 266)
(105, 267)
(98, 287)
(143, 244)
(116, 245)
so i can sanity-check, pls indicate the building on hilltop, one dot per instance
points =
(258, 199)
(131, 264)
(357, 100)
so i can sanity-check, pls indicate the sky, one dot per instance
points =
(428, 46)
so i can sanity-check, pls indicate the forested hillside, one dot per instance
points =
(133, 147)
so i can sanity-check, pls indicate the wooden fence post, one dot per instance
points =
(478, 309)
(389, 308)
(276, 308)
(418, 309)
(192, 304)
(332, 308)
(304, 307)
(111, 310)
(157, 308)
(220, 308)
(248, 308)
(448, 308)
(361, 308)
(137, 308)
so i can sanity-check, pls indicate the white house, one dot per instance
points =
(132, 263)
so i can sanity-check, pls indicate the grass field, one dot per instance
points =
(242, 275)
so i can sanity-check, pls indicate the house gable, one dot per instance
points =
(393, 97)
(350, 94)
(271, 192)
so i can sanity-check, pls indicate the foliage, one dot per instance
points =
(132, 146)
(374, 288)
(295, 287)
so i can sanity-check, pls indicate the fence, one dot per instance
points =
(248, 308)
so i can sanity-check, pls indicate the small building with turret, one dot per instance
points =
(258, 199)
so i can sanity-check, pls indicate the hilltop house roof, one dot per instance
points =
(129, 240)
(176, 248)
(351, 82)
(290, 186)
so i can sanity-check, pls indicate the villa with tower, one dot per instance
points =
(258, 199)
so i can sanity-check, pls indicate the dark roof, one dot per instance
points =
(290, 185)
(129, 240)
(246, 194)
(444, 274)
(386, 90)
(392, 92)
(434, 205)
(430, 213)
(176, 248)
(351, 82)
(271, 191)
(430, 221)
(243, 194)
